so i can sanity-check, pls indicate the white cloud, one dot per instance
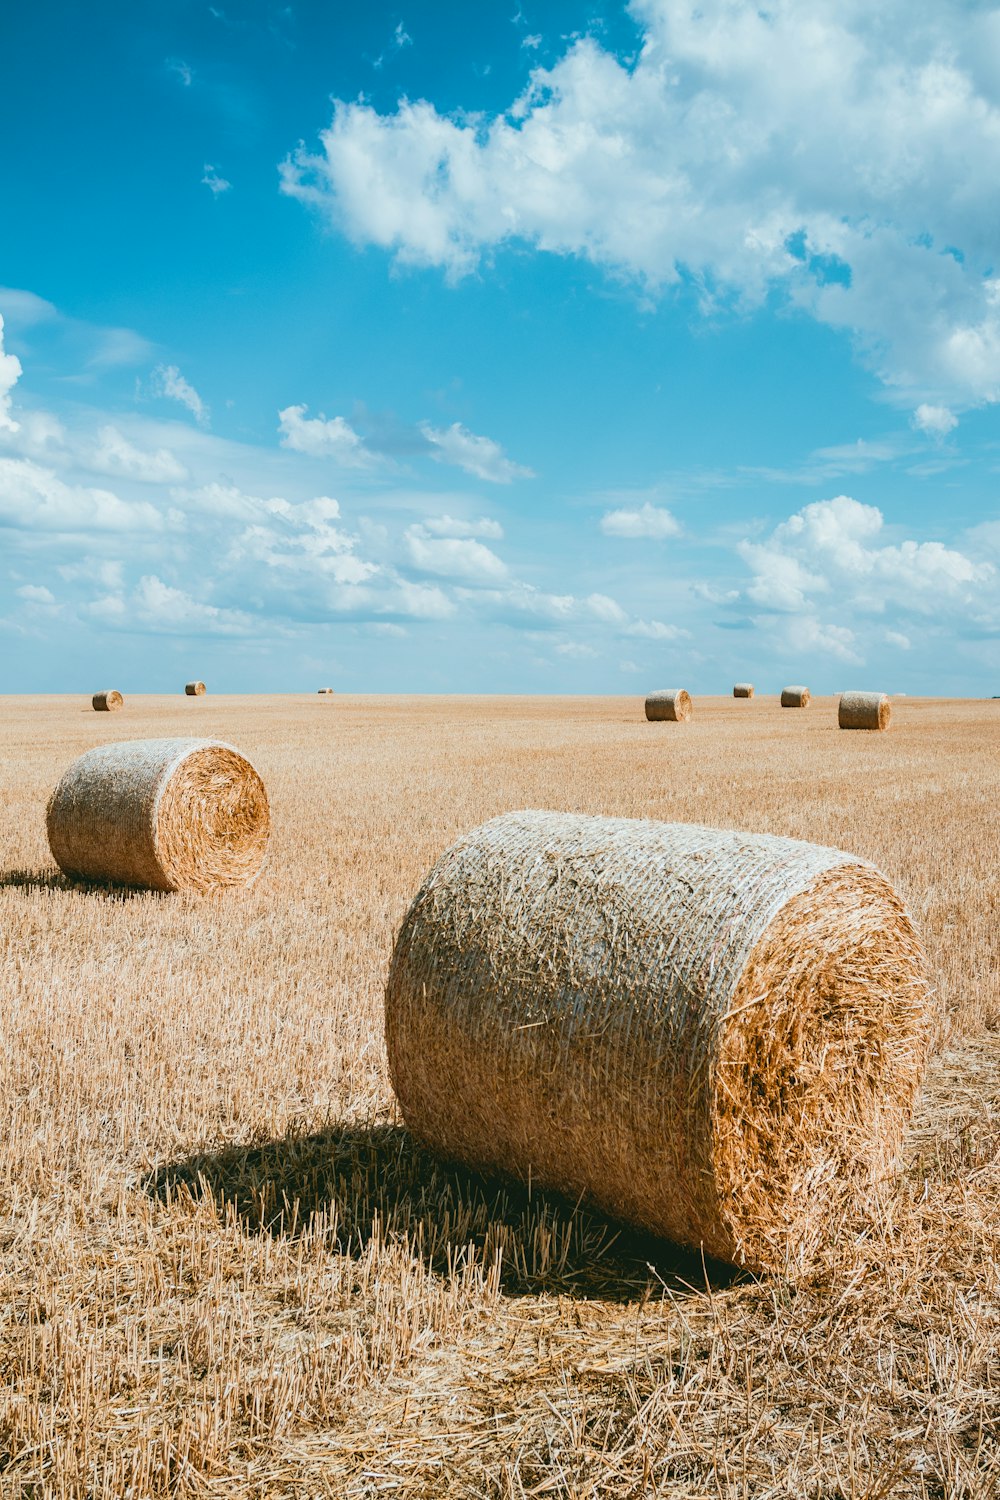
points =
(451, 526)
(215, 183)
(33, 498)
(656, 630)
(838, 152)
(896, 638)
(606, 609)
(653, 522)
(10, 374)
(322, 437)
(168, 381)
(35, 594)
(936, 421)
(454, 557)
(114, 454)
(476, 455)
(160, 609)
(831, 552)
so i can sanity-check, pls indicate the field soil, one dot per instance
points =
(227, 1270)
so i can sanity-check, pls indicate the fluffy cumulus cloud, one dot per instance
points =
(936, 421)
(10, 374)
(33, 499)
(169, 382)
(447, 525)
(323, 437)
(454, 557)
(476, 455)
(830, 563)
(843, 154)
(112, 453)
(652, 522)
(157, 608)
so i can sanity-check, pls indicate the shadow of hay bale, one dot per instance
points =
(354, 1181)
(53, 880)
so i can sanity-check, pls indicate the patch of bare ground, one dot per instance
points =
(226, 1268)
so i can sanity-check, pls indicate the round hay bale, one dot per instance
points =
(324, 690)
(109, 702)
(864, 711)
(795, 697)
(669, 703)
(743, 690)
(194, 689)
(718, 1036)
(165, 815)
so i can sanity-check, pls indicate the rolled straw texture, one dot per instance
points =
(743, 690)
(669, 703)
(109, 702)
(194, 689)
(165, 815)
(718, 1036)
(795, 697)
(864, 711)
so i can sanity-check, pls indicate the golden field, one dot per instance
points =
(226, 1268)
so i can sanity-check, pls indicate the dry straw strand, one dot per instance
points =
(743, 690)
(669, 703)
(194, 689)
(795, 697)
(108, 702)
(716, 1035)
(858, 710)
(165, 815)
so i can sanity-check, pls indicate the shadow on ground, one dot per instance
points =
(53, 880)
(354, 1181)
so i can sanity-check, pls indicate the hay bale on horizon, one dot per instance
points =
(108, 702)
(164, 815)
(669, 703)
(194, 689)
(717, 1036)
(858, 710)
(795, 697)
(324, 690)
(743, 690)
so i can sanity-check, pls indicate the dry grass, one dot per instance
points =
(228, 1271)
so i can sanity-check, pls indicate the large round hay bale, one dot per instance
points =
(324, 690)
(165, 815)
(194, 689)
(743, 690)
(108, 702)
(669, 703)
(864, 711)
(795, 697)
(715, 1035)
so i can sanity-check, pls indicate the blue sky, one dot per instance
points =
(554, 348)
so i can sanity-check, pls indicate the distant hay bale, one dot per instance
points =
(864, 711)
(718, 1036)
(795, 697)
(194, 689)
(109, 702)
(743, 690)
(165, 815)
(324, 690)
(669, 703)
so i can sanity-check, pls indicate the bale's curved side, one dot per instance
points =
(173, 814)
(864, 711)
(795, 697)
(743, 690)
(673, 704)
(710, 1034)
(194, 689)
(108, 702)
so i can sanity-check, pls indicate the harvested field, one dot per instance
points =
(226, 1268)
